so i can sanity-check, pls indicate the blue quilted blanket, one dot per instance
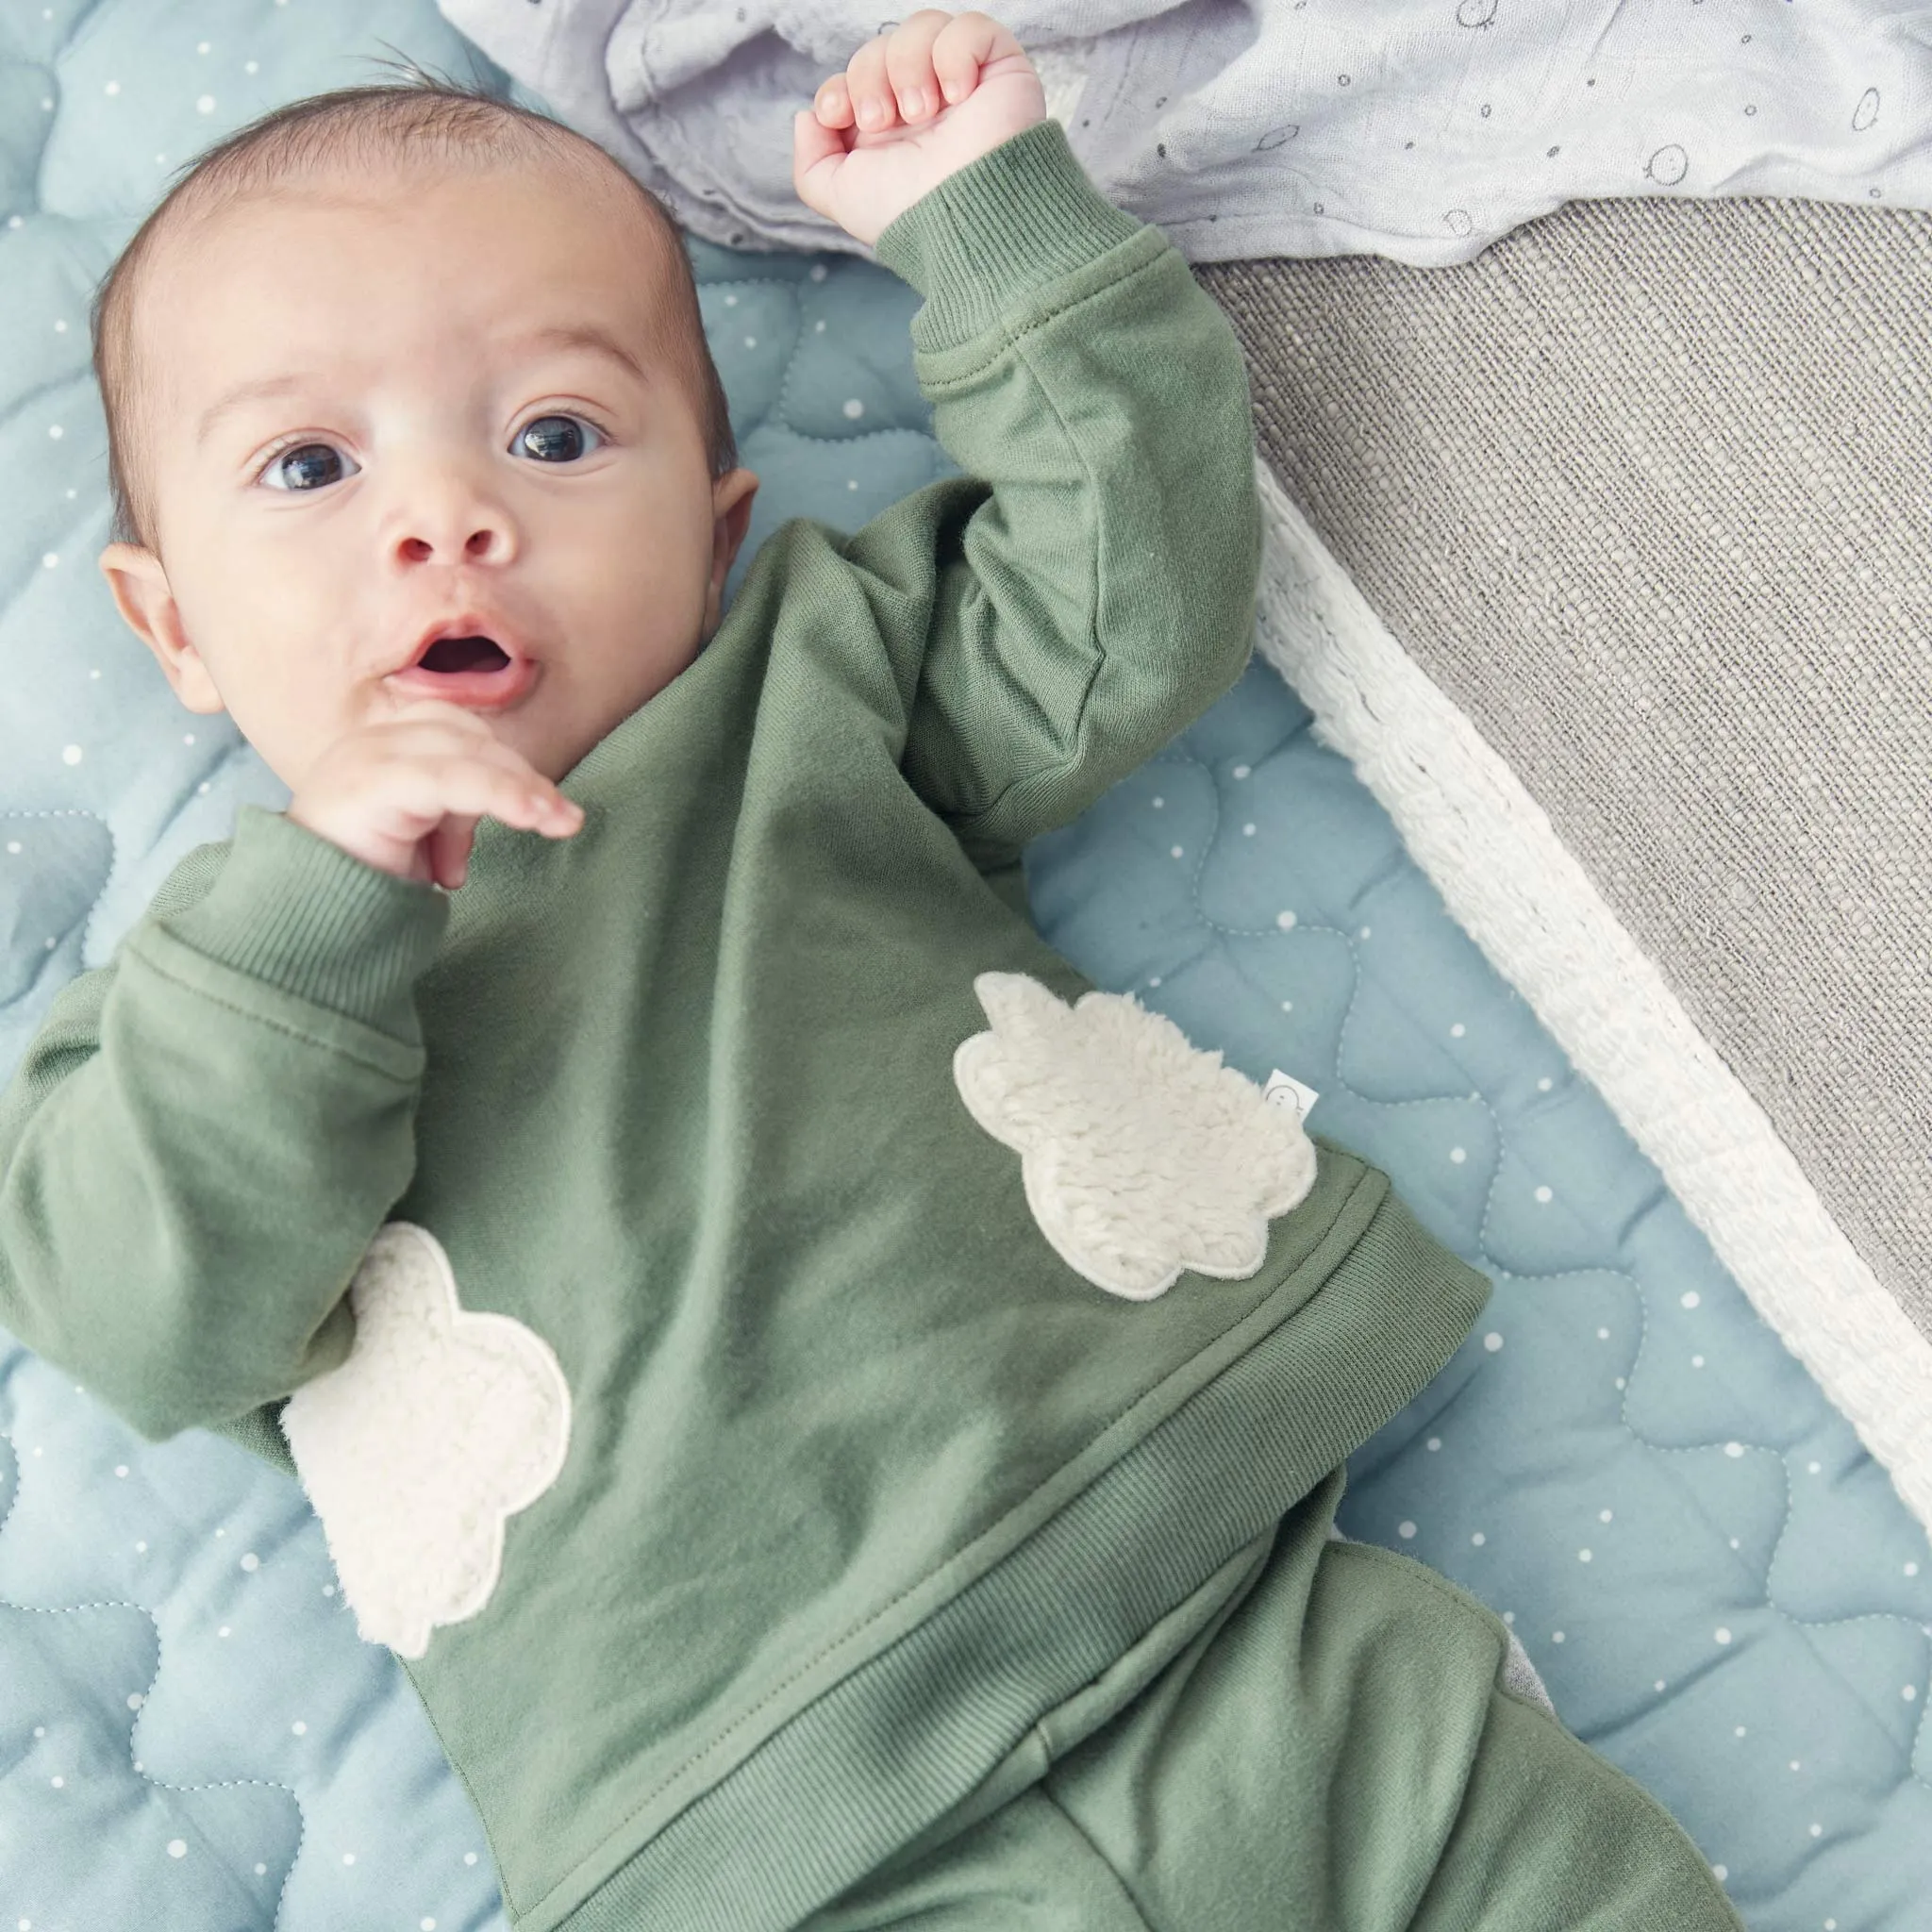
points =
(1718, 1586)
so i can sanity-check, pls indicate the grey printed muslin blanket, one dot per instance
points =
(1416, 129)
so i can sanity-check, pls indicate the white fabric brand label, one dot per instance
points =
(1284, 1089)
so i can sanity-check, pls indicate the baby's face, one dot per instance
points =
(376, 409)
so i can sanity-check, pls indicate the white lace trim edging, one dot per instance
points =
(1513, 886)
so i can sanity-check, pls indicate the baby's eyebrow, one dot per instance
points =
(245, 392)
(585, 336)
(563, 336)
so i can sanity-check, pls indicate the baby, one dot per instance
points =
(841, 1420)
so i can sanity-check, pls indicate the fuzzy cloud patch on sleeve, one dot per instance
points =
(439, 1425)
(1141, 1154)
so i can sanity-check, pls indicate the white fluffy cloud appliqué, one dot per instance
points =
(441, 1424)
(1142, 1155)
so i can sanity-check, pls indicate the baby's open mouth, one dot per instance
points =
(464, 654)
(470, 668)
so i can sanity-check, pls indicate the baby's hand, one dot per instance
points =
(404, 795)
(914, 105)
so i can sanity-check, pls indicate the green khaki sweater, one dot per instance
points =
(864, 1478)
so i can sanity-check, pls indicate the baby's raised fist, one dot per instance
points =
(912, 107)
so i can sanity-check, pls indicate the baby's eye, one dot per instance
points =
(556, 440)
(308, 466)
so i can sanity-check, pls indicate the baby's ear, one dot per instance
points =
(731, 496)
(141, 595)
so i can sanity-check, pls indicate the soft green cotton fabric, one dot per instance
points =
(863, 1478)
(1333, 1751)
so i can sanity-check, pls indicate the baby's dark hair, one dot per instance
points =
(417, 115)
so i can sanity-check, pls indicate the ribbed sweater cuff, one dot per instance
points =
(1020, 216)
(297, 912)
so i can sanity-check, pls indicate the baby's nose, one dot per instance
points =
(439, 510)
(488, 542)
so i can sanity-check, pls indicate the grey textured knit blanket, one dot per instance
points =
(1643, 491)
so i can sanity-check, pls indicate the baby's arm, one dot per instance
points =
(206, 1133)
(1088, 589)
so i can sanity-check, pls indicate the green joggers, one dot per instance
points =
(1335, 1753)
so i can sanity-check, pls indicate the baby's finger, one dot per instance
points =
(449, 851)
(469, 787)
(865, 80)
(818, 152)
(908, 63)
(431, 741)
(832, 105)
(965, 44)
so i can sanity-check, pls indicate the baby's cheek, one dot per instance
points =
(294, 645)
(642, 573)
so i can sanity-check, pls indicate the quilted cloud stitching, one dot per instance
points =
(79, 811)
(1142, 1156)
(141, 1770)
(439, 1425)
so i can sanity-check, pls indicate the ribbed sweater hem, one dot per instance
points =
(918, 1727)
(293, 911)
(1021, 217)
